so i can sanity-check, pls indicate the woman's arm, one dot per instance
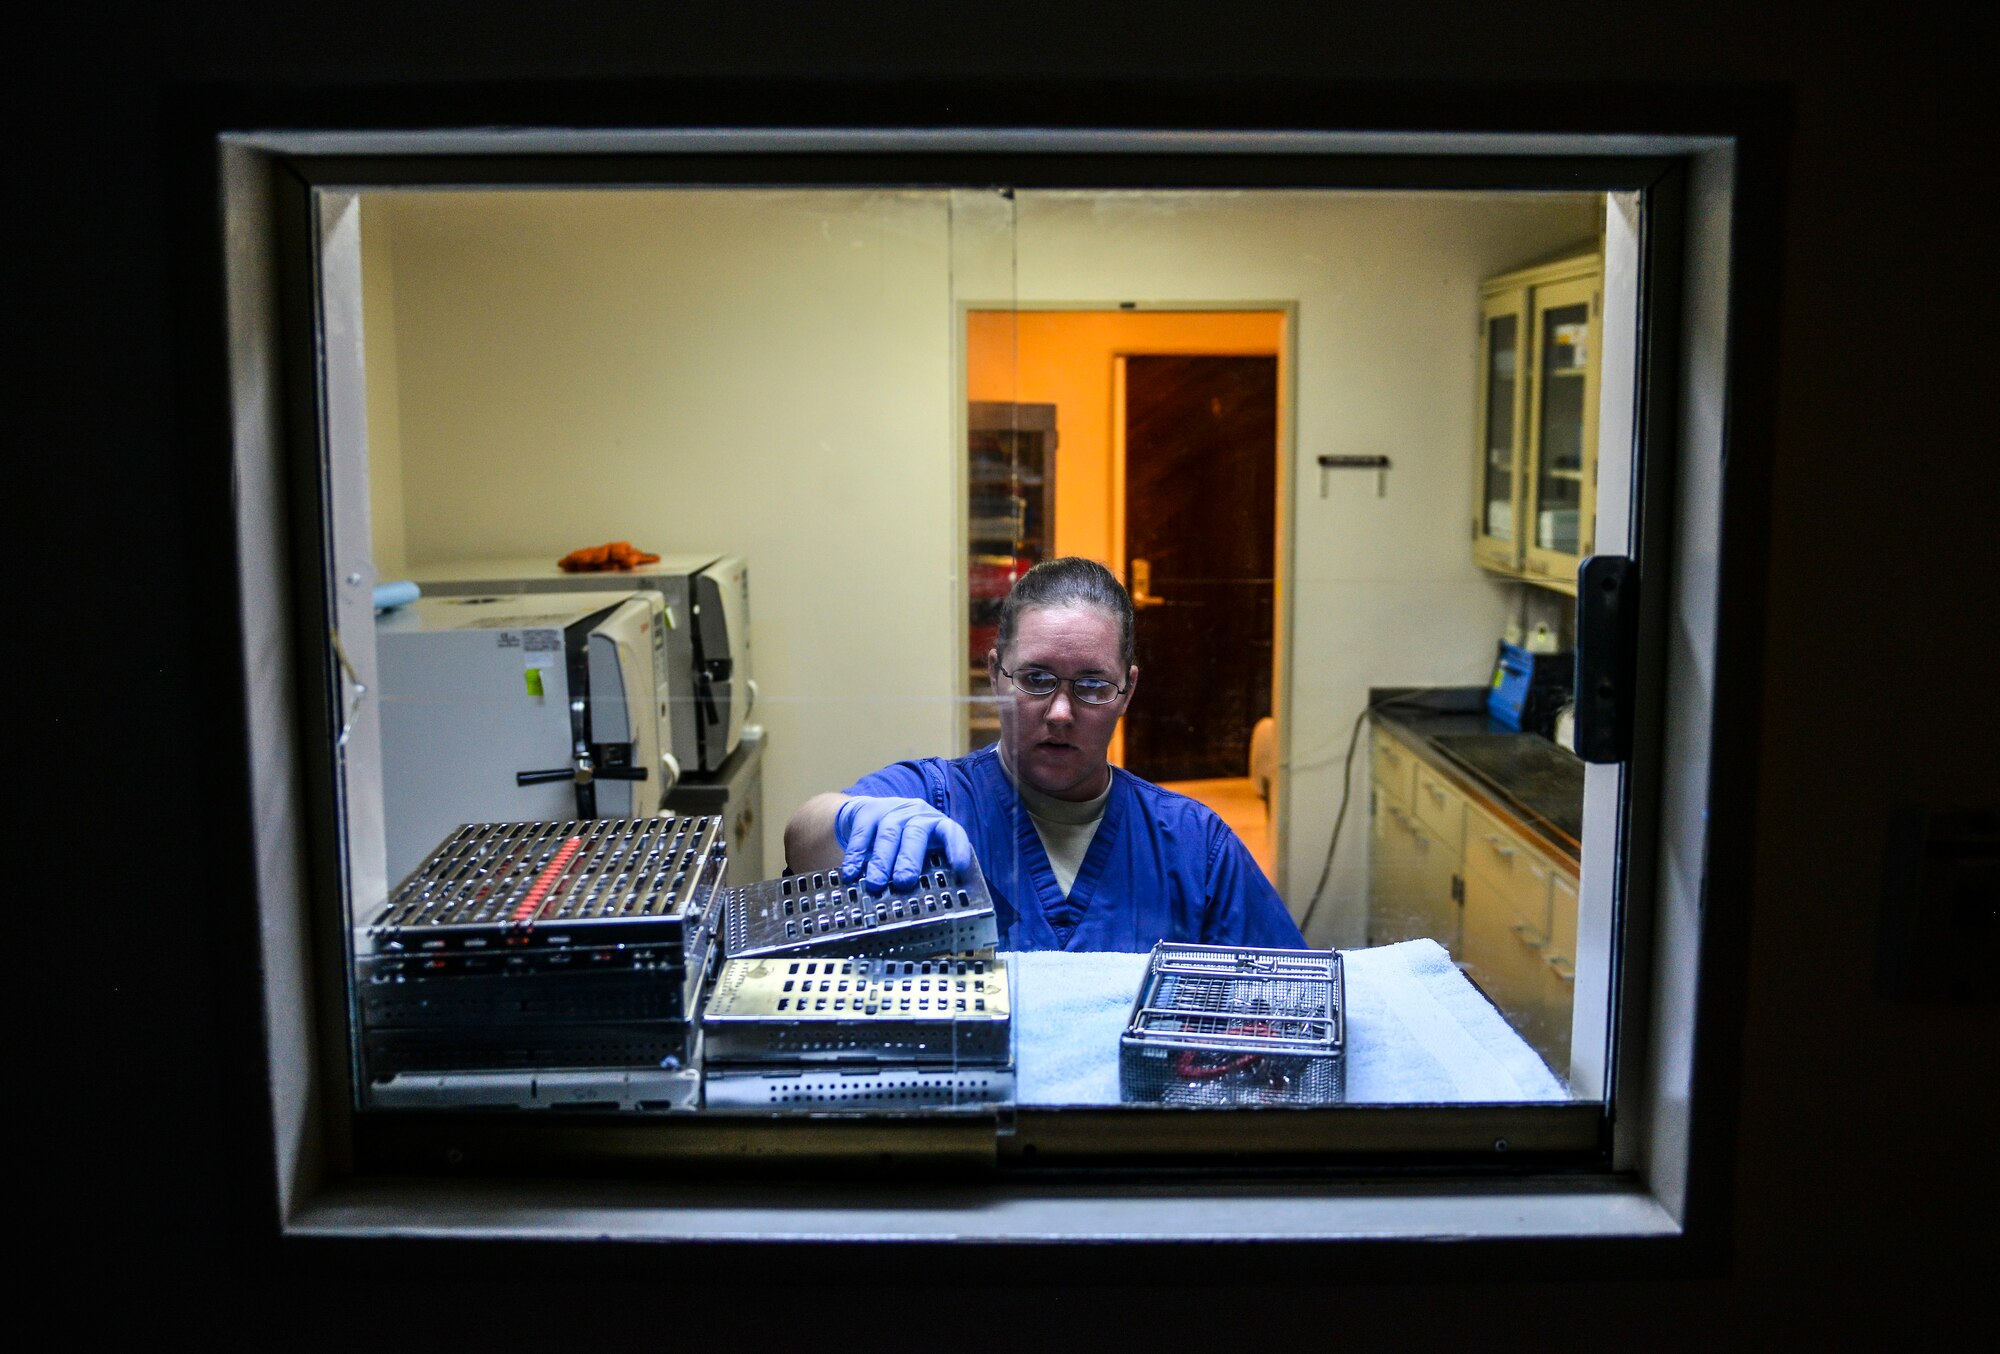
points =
(811, 841)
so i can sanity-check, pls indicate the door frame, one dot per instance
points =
(1287, 452)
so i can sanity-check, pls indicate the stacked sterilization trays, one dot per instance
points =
(833, 998)
(545, 963)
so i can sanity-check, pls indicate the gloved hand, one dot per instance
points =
(885, 841)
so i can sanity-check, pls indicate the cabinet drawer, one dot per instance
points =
(1395, 767)
(1441, 807)
(1512, 965)
(1410, 878)
(1562, 918)
(1516, 870)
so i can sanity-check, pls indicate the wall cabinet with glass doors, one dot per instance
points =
(1535, 488)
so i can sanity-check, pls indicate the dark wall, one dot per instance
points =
(1862, 1129)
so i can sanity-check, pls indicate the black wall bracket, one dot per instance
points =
(1607, 656)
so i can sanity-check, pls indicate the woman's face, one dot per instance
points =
(1057, 743)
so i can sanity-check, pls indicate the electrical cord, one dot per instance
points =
(1413, 699)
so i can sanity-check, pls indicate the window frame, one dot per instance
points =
(1625, 1173)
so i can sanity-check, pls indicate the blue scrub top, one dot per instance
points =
(1161, 867)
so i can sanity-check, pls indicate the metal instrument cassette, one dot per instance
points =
(857, 1088)
(946, 912)
(545, 945)
(1229, 1025)
(952, 1010)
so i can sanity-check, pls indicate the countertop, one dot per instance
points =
(1530, 778)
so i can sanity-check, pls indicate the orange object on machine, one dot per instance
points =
(598, 559)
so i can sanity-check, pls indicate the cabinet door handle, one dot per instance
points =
(1526, 935)
(1392, 754)
(1500, 847)
(1435, 793)
(1563, 968)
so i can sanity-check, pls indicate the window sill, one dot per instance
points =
(1007, 1214)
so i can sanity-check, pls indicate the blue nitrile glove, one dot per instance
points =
(886, 840)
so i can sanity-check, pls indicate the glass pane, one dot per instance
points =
(1503, 357)
(849, 422)
(1565, 341)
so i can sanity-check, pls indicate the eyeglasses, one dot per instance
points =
(1090, 690)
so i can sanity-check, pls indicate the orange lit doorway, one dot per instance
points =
(1077, 361)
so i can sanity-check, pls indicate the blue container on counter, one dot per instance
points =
(1528, 688)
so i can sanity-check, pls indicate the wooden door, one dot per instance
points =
(1201, 476)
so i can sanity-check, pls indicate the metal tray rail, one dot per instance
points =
(867, 1088)
(946, 912)
(606, 982)
(1222, 1025)
(951, 1010)
(664, 1044)
(639, 1088)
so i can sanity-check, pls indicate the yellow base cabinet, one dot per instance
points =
(1395, 766)
(1520, 933)
(1412, 873)
(1445, 865)
(1412, 867)
(1508, 957)
(1535, 467)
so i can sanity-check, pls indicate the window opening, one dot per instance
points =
(478, 356)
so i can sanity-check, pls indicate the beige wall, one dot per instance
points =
(385, 413)
(774, 374)
(765, 373)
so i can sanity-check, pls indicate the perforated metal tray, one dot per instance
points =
(553, 886)
(952, 1010)
(947, 912)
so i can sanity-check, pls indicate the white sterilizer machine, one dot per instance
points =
(529, 707)
(707, 596)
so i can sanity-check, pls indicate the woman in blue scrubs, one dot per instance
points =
(1078, 854)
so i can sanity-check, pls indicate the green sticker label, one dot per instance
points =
(534, 676)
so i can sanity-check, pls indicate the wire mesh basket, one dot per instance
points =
(1229, 1025)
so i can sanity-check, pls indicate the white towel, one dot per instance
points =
(1069, 1010)
(1417, 1031)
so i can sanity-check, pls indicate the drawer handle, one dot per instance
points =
(1435, 793)
(1500, 847)
(1392, 754)
(1564, 969)
(1526, 935)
